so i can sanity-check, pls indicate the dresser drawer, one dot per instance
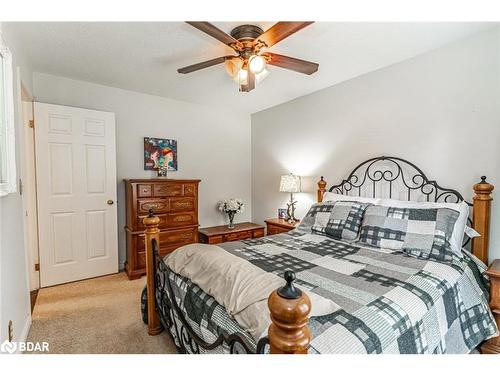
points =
(170, 190)
(189, 190)
(144, 190)
(181, 204)
(171, 238)
(182, 219)
(161, 225)
(141, 255)
(178, 237)
(238, 236)
(158, 206)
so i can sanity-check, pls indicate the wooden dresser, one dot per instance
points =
(175, 202)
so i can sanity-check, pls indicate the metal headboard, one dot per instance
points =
(385, 172)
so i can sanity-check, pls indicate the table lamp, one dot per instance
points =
(290, 184)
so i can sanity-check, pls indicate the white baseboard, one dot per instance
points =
(24, 333)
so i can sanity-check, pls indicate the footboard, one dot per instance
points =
(289, 310)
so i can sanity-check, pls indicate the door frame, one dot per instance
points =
(27, 184)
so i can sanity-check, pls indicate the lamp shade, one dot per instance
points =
(290, 184)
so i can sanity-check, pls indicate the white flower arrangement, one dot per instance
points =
(234, 205)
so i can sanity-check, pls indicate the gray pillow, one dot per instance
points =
(340, 220)
(422, 233)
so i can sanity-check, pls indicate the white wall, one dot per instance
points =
(440, 110)
(213, 143)
(14, 288)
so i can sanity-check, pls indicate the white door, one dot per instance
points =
(76, 193)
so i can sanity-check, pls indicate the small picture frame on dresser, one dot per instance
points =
(282, 213)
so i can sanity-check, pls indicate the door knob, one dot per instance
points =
(110, 202)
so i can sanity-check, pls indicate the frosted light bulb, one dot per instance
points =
(243, 77)
(257, 64)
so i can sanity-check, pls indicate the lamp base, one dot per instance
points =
(290, 211)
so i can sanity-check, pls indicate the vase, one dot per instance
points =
(231, 214)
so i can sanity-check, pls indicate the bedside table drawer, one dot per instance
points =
(275, 230)
(277, 226)
(238, 236)
(258, 233)
(212, 240)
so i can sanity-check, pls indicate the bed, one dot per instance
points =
(365, 298)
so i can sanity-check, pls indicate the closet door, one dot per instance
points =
(76, 193)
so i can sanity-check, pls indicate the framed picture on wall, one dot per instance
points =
(159, 152)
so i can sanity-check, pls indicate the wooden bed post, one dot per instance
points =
(481, 211)
(321, 189)
(289, 307)
(152, 232)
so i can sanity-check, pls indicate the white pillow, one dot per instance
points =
(457, 236)
(332, 197)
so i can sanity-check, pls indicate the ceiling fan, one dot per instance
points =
(250, 43)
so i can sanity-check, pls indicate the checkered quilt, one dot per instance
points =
(388, 302)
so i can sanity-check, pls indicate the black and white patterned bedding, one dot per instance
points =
(388, 302)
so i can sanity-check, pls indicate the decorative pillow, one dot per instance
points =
(423, 233)
(458, 232)
(308, 221)
(340, 220)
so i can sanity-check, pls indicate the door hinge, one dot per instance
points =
(20, 187)
(31, 123)
(37, 266)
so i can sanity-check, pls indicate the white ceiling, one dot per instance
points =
(144, 57)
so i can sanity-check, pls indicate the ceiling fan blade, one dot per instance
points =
(203, 65)
(217, 33)
(298, 65)
(250, 82)
(280, 31)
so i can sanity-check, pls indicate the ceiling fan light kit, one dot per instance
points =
(249, 42)
(257, 63)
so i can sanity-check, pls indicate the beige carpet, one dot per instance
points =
(100, 315)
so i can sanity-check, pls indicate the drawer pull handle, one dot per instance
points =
(149, 206)
(182, 218)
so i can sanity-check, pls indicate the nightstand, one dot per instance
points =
(492, 346)
(275, 226)
(221, 233)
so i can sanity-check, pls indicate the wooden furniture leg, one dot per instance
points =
(492, 346)
(152, 232)
(289, 307)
